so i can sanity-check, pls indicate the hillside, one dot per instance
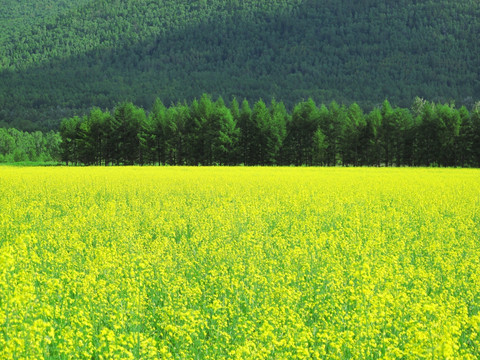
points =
(137, 50)
(16, 16)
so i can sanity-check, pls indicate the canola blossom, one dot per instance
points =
(239, 263)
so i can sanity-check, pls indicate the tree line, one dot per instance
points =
(207, 132)
(20, 146)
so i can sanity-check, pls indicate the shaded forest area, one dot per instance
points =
(208, 132)
(63, 57)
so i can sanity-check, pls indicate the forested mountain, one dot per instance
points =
(16, 16)
(99, 53)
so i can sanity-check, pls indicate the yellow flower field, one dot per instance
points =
(239, 263)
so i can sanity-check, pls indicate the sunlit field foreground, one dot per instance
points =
(239, 263)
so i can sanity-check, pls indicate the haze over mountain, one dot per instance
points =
(60, 58)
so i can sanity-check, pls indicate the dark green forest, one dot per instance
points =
(207, 132)
(16, 16)
(63, 58)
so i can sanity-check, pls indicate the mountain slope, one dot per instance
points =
(16, 15)
(110, 51)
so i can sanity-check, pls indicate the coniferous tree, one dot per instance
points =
(280, 121)
(375, 149)
(69, 132)
(247, 132)
(260, 119)
(404, 132)
(159, 131)
(475, 137)
(86, 146)
(92, 137)
(128, 117)
(388, 136)
(235, 111)
(113, 140)
(319, 147)
(331, 124)
(201, 117)
(428, 136)
(222, 135)
(305, 122)
(449, 124)
(465, 138)
(176, 120)
(351, 138)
